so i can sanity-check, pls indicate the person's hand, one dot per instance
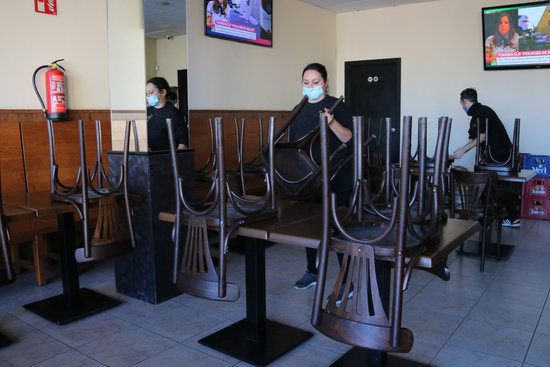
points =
(457, 154)
(329, 117)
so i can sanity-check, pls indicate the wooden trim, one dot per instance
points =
(37, 115)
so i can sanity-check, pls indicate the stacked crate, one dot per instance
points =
(535, 202)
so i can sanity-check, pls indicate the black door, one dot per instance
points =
(182, 95)
(373, 90)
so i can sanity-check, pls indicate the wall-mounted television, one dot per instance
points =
(247, 21)
(516, 36)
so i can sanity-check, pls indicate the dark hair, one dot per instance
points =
(505, 40)
(318, 68)
(469, 94)
(220, 9)
(161, 84)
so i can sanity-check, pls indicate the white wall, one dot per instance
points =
(230, 75)
(440, 46)
(126, 55)
(171, 57)
(78, 33)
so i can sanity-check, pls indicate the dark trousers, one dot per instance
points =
(342, 198)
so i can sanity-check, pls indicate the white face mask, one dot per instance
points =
(313, 93)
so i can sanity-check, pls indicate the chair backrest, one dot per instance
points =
(486, 161)
(297, 171)
(111, 237)
(472, 193)
(360, 319)
(193, 269)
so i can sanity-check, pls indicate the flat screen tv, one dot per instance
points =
(247, 21)
(516, 36)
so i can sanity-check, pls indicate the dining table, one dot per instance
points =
(75, 302)
(258, 340)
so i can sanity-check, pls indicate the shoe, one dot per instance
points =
(341, 294)
(514, 224)
(308, 280)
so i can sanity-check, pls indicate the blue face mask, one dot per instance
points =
(153, 100)
(313, 93)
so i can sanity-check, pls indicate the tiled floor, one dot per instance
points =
(496, 318)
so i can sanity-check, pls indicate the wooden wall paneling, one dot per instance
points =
(199, 132)
(11, 159)
(67, 150)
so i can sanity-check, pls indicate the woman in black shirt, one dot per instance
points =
(314, 85)
(159, 109)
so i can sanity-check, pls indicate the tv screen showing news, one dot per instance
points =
(247, 21)
(517, 36)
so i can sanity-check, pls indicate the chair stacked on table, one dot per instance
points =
(112, 236)
(357, 312)
(225, 207)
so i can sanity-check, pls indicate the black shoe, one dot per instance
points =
(308, 280)
(341, 295)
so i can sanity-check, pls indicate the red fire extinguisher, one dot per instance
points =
(55, 91)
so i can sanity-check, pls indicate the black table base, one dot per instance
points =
(4, 340)
(60, 310)
(75, 302)
(364, 357)
(233, 341)
(255, 339)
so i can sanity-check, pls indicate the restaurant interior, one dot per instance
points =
(117, 255)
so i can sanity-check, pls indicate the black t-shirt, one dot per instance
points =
(308, 119)
(499, 142)
(157, 132)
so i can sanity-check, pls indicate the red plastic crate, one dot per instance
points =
(537, 188)
(535, 208)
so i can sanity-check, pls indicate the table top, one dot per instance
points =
(522, 176)
(40, 202)
(14, 213)
(300, 224)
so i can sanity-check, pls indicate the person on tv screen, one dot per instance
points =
(159, 108)
(315, 85)
(505, 39)
(216, 10)
(500, 145)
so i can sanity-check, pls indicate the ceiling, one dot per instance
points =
(165, 18)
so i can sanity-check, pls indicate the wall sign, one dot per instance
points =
(46, 6)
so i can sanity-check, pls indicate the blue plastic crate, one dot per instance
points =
(539, 163)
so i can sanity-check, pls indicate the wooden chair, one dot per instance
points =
(475, 193)
(224, 208)
(112, 235)
(297, 173)
(485, 161)
(359, 318)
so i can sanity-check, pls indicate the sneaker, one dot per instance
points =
(514, 224)
(341, 294)
(308, 280)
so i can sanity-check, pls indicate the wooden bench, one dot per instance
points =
(25, 166)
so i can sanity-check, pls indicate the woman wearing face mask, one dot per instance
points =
(314, 85)
(159, 109)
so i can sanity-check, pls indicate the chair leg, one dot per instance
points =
(15, 258)
(39, 251)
